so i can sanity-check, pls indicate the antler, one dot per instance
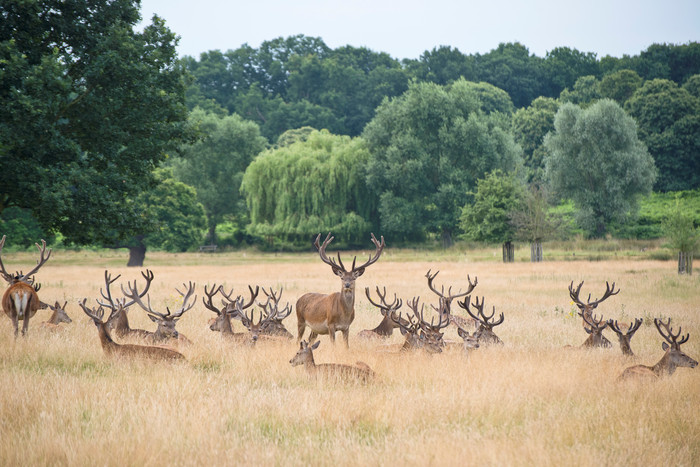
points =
(630, 330)
(449, 296)
(42, 259)
(669, 336)
(21, 276)
(379, 247)
(95, 315)
(480, 316)
(271, 306)
(209, 300)
(594, 323)
(384, 307)
(574, 294)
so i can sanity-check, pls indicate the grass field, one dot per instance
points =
(530, 402)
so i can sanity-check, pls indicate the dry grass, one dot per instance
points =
(528, 403)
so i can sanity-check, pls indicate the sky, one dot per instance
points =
(408, 28)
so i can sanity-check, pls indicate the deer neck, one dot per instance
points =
(105, 339)
(625, 346)
(226, 327)
(385, 328)
(665, 366)
(54, 318)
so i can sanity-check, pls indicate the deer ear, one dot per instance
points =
(315, 346)
(338, 272)
(358, 272)
(153, 318)
(589, 331)
(664, 346)
(462, 333)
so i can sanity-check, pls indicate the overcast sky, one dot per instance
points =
(406, 29)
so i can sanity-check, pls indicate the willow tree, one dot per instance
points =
(318, 184)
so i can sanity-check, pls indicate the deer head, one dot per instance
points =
(446, 300)
(588, 307)
(486, 323)
(595, 330)
(347, 278)
(674, 356)
(625, 333)
(165, 321)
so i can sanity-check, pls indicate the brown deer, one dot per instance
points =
(485, 333)
(624, 334)
(272, 325)
(672, 359)
(305, 356)
(471, 341)
(414, 329)
(58, 316)
(326, 314)
(231, 307)
(118, 321)
(20, 301)
(166, 321)
(446, 301)
(111, 348)
(386, 327)
(588, 307)
(595, 332)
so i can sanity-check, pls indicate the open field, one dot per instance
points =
(530, 402)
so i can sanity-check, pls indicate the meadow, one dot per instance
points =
(529, 402)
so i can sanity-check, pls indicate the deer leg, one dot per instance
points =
(312, 337)
(25, 325)
(331, 333)
(301, 326)
(346, 334)
(15, 323)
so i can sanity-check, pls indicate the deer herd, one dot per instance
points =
(323, 314)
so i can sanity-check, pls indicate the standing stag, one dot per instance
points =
(624, 334)
(672, 359)
(327, 314)
(20, 301)
(305, 357)
(587, 308)
(388, 310)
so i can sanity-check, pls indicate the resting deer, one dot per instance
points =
(445, 301)
(118, 321)
(595, 332)
(624, 334)
(485, 333)
(111, 348)
(305, 357)
(165, 321)
(588, 307)
(272, 325)
(414, 329)
(58, 316)
(471, 341)
(230, 308)
(389, 321)
(672, 359)
(20, 301)
(326, 314)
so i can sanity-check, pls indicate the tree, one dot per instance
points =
(595, 159)
(585, 91)
(312, 185)
(530, 125)
(214, 165)
(429, 146)
(620, 85)
(88, 108)
(682, 236)
(563, 66)
(533, 222)
(487, 218)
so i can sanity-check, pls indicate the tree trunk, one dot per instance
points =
(536, 251)
(508, 252)
(136, 255)
(447, 239)
(685, 262)
(212, 233)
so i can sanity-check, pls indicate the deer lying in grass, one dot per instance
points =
(389, 321)
(624, 334)
(118, 321)
(327, 314)
(419, 333)
(166, 321)
(58, 316)
(111, 348)
(595, 332)
(272, 325)
(470, 341)
(587, 308)
(362, 372)
(20, 301)
(484, 333)
(445, 301)
(672, 359)
(231, 308)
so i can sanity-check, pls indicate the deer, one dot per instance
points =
(588, 307)
(624, 334)
(231, 307)
(361, 372)
(272, 326)
(118, 321)
(113, 349)
(595, 332)
(484, 334)
(57, 317)
(419, 333)
(470, 341)
(386, 327)
(20, 301)
(445, 301)
(329, 313)
(672, 359)
(166, 321)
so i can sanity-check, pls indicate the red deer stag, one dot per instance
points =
(624, 334)
(588, 307)
(118, 321)
(20, 301)
(166, 321)
(672, 359)
(419, 333)
(446, 300)
(326, 314)
(388, 310)
(305, 356)
(58, 316)
(595, 332)
(230, 308)
(272, 326)
(111, 348)
(485, 333)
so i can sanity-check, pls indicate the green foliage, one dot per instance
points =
(679, 228)
(487, 218)
(534, 220)
(21, 228)
(595, 159)
(310, 186)
(530, 125)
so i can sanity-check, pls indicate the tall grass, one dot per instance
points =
(530, 402)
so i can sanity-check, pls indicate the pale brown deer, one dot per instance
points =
(166, 321)
(389, 321)
(114, 349)
(231, 307)
(470, 341)
(419, 333)
(361, 372)
(20, 301)
(587, 308)
(594, 329)
(445, 301)
(672, 359)
(118, 321)
(57, 317)
(624, 334)
(485, 333)
(327, 314)
(272, 325)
